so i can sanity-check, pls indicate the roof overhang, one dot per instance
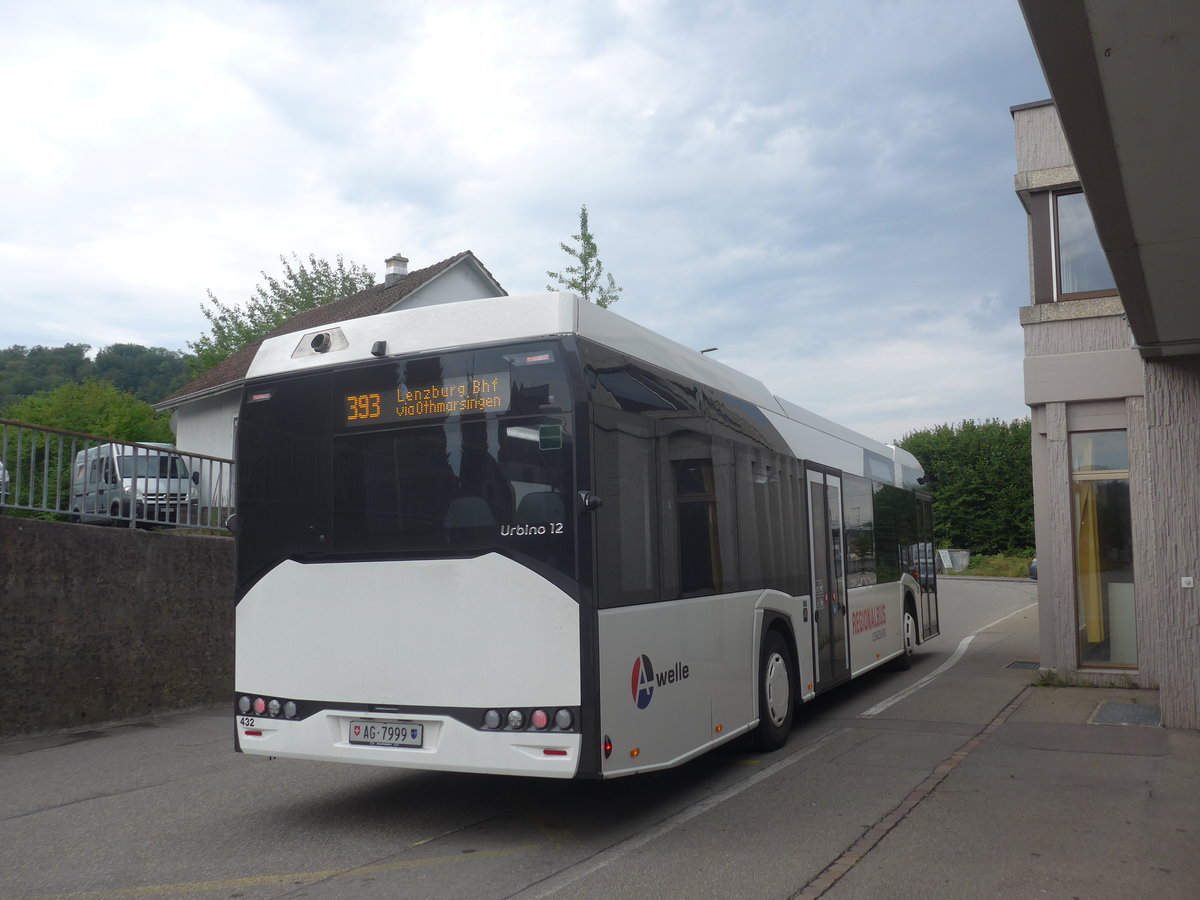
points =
(1125, 77)
(175, 403)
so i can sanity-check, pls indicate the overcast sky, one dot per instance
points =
(823, 189)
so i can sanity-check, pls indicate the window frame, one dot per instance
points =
(1059, 292)
(1099, 476)
(1047, 247)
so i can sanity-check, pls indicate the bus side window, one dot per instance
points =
(725, 480)
(699, 537)
(771, 521)
(627, 536)
(893, 515)
(696, 529)
(858, 503)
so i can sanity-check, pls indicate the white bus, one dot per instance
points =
(526, 536)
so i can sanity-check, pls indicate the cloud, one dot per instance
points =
(823, 190)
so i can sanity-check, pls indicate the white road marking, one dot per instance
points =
(955, 657)
(569, 876)
(562, 880)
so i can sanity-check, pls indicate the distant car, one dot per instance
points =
(1033, 568)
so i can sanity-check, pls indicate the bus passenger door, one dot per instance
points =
(830, 612)
(927, 568)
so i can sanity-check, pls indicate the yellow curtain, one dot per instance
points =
(1087, 556)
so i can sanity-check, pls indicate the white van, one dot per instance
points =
(151, 482)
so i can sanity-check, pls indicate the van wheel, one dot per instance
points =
(775, 700)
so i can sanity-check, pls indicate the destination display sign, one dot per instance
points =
(448, 397)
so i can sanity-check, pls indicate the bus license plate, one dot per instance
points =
(386, 734)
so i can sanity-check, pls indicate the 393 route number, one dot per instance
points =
(363, 406)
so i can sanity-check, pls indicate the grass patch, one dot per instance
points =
(1053, 678)
(999, 566)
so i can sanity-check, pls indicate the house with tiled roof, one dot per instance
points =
(204, 412)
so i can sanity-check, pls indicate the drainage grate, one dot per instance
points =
(1113, 713)
(1022, 664)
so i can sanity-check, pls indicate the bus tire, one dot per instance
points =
(908, 630)
(775, 695)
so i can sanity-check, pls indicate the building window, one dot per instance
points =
(1081, 264)
(1104, 587)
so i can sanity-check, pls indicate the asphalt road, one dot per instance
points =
(165, 808)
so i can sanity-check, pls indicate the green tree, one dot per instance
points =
(149, 373)
(983, 492)
(27, 370)
(93, 407)
(301, 287)
(585, 278)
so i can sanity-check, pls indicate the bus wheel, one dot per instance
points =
(775, 701)
(909, 627)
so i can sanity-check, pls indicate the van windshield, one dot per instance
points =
(152, 466)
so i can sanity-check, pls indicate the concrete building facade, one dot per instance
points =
(1107, 174)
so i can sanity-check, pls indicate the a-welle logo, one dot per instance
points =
(643, 681)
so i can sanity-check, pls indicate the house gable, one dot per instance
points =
(462, 282)
(204, 411)
(460, 277)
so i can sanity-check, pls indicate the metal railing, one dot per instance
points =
(83, 477)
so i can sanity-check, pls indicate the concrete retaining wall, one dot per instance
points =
(98, 624)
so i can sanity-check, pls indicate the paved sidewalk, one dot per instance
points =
(1046, 802)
